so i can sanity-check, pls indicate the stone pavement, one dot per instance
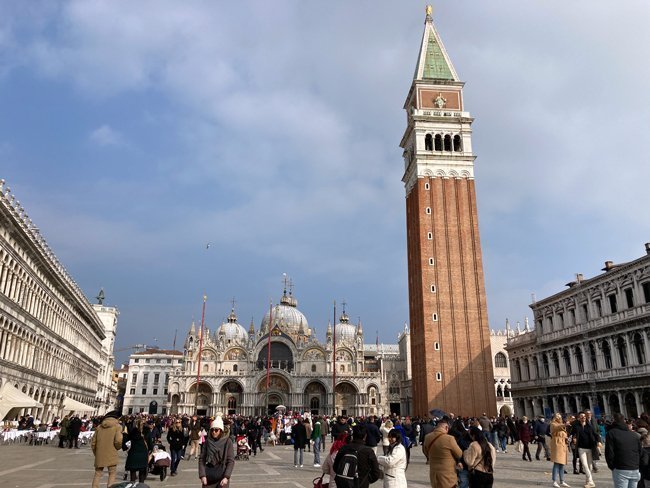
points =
(47, 466)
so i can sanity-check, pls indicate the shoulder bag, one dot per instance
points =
(318, 482)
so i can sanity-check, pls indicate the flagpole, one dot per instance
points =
(334, 365)
(198, 369)
(268, 357)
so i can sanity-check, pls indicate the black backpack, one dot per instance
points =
(347, 472)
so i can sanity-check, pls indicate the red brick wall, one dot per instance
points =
(464, 358)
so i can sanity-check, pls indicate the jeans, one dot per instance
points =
(504, 441)
(317, 450)
(463, 478)
(626, 478)
(585, 461)
(541, 444)
(176, 458)
(558, 472)
(297, 450)
(494, 439)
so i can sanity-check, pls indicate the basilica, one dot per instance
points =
(283, 365)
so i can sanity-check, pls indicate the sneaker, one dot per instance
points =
(295, 465)
(590, 484)
(556, 485)
(301, 465)
(565, 485)
(316, 465)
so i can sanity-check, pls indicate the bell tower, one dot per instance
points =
(450, 336)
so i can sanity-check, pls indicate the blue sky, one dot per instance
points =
(136, 132)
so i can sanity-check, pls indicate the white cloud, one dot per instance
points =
(105, 135)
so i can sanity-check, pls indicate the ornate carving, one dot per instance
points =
(314, 355)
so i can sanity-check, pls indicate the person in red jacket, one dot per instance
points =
(525, 435)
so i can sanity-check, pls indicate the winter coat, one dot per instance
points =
(223, 443)
(367, 466)
(394, 467)
(559, 447)
(473, 457)
(176, 439)
(524, 432)
(443, 453)
(65, 425)
(106, 442)
(384, 432)
(299, 435)
(138, 455)
(645, 464)
(622, 448)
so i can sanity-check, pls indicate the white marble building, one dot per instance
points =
(50, 335)
(370, 378)
(500, 364)
(147, 380)
(590, 347)
(106, 387)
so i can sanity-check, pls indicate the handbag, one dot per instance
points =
(318, 482)
(519, 446)
(214, 474)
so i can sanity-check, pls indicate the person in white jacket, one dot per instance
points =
(385, 429)
(394, 462)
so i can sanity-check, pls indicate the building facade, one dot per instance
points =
(590, 347)
(501, 367)
(230, 368)
(447, 303)
(50, 336)
(147, 380)
(106, 387)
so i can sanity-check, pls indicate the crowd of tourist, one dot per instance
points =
(459, 451)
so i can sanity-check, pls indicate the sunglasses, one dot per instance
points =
(214, 430)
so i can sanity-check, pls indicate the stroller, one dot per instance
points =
(243, 449)
(159, 461)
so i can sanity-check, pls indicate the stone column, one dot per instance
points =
(563, 371)
(578, 399)
(606, 409)
(639, 405)
(621, 403)
(556, 407)
(631, 359)
(645, 335)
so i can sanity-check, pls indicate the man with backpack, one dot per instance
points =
(356, 464)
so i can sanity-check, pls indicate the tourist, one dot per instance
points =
(217, 458)
(585, 440)
(463, 440)
(540, 430)
(176, 440)
(367, 466)
(644, 465)
(443, 454)
(328, 464)
(599, 439)
(525, 435)
(316, 435)
(137, 459)
(64, 431)
(195, 435)
(622, 453)
(374, 436)
(394, 462)
(501, 429)
(74, 429)
(299, 436)
(559, 450)
(105, 444)
(480, 457)
(385, 429)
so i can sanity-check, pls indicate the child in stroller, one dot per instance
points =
(243, 448)
(159, 461)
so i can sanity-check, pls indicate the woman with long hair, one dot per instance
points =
(176, 440)
(385, 429)
(217, 458)
(559, 450)
(328, 465)
(137, 460)
(480, 457)
(394, 462)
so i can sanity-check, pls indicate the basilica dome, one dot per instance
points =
(232, 330)
(345, 331)
(287, 316)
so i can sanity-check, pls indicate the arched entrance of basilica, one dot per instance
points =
(279, 394)
(202, 399)
(232, 393)
(346, 398)
(315, 398)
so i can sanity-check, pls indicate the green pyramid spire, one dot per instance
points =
(433, 62)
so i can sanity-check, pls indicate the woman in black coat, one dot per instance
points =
(137, 459)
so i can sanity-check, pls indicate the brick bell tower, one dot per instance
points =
(450, 336)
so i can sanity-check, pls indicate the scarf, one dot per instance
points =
(212, 448)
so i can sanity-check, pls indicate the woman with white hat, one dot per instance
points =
(217, 458)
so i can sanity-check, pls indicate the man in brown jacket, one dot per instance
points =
(105, 444)
(443, 453)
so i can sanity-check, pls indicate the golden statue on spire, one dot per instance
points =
(429, 10)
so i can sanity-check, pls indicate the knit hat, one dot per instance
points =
(217, 423)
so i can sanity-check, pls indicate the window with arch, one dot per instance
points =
(518, 370)
(438, 142)
(500, 360)
(506, 391)
(314, 403)
(447, 142)
(607, 354)
(313, 368)
(622, 351)
(567, 361)
(637, 341)
(499, 391)
(206, 368)
(556, 363)
(232, 403)
(342, 368)
(428, 142)
(592, 357)
(458, 144)
(579, 362)
(547, 371)
(234, 367)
